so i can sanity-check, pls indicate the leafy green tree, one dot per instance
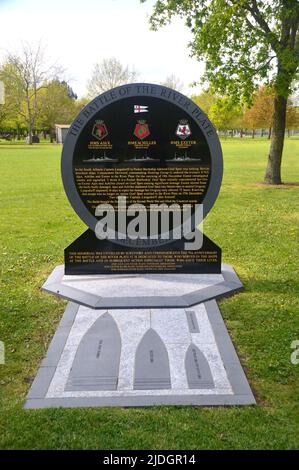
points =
(205, 100)
(80, 103)
(244, 42)
(11, 117)
(260, 113)
(57, 104)
(25, 74)
(292, 120)
(225, 114)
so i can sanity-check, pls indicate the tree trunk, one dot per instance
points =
(241, 133)
(29, 133)
(253, 132)
(273, 171)
(269, 133)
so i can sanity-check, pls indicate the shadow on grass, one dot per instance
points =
(285, 185)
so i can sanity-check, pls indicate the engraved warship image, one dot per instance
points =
(145, 158)
(182, 159)
(101, 159)
(96, 363)
(152, 371)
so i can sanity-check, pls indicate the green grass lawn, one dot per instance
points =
(257, 229)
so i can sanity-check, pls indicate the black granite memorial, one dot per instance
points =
(145, 144)
(142, 326)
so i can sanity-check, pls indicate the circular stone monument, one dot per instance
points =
(147, 142)
(148, 146)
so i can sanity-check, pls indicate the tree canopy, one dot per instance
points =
(244, 43)
(174, 82)
(108, 74)
(57, 105)
(25, 75)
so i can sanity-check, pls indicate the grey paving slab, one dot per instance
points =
(166, 371)
(227, 350)
(197, 369)
(192, 400)
(224, 342)
(96, 363)
(144, 290)
(192, 321)
(151, 363)
(58, 342)
(41, 382)
(238, 380)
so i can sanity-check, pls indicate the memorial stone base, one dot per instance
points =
(147, 344)
(142, 290)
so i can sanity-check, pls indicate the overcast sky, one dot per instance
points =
(79, 33)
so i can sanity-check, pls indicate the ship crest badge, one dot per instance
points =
(183, 129)
(99, 130)
(141, 130)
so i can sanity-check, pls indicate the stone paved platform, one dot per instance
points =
(143, 290)
(140, 357)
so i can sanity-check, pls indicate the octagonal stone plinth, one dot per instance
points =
(142, 290)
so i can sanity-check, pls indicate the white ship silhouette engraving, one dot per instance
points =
(101, 159)
(183, 158)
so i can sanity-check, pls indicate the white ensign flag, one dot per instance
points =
(140, 109)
